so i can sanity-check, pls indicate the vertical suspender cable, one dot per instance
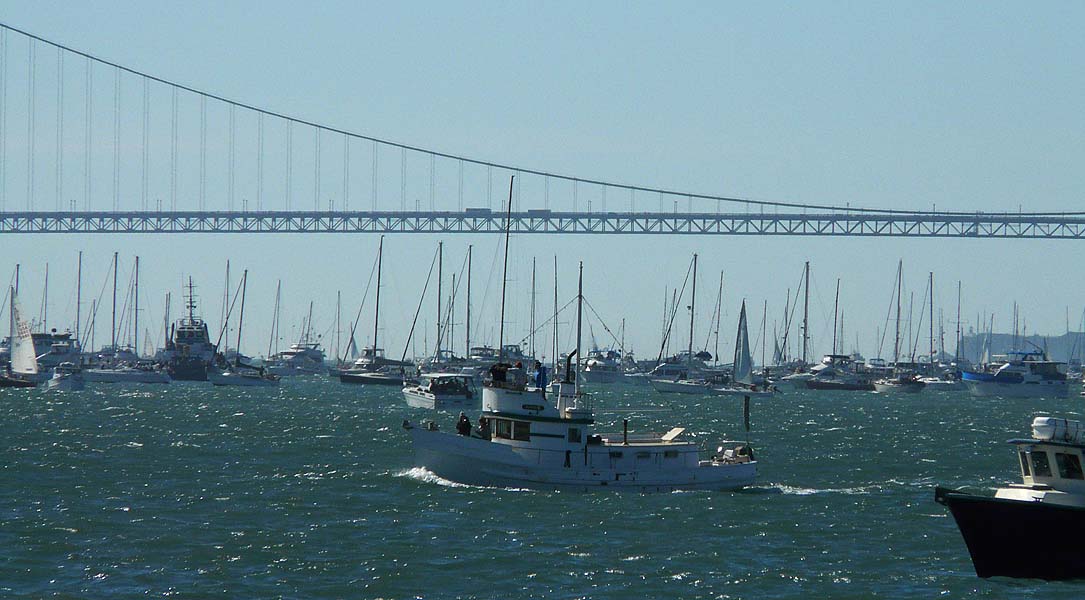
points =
(432, 179)
(289, 160)
(116, 139)
(30, 129)
(260, 162)
(60, 129)
(346, 172)
(173, 150)
(231, 150)
(87, 112)
(203, 151)
(374, 176)
(403, 181)
(3, 116)
(316, 168)
(146, 153)
(460, 204)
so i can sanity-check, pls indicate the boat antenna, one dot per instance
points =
(505, 276)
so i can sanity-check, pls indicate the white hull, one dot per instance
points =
(240, 380)
(896, 388)
(124, 376)
(475, 461)
(1040, 389)
(439, 402)
(665, 386)
(601, 377)
(66, 383)
(741, 392)
(798, 381)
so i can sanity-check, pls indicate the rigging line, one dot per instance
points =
(888, 314)
(226, 319)
(674, 313)
(446, 326)
(603, 323)
(417, 311)
(492, 164)
(358, 317)
(549, 320)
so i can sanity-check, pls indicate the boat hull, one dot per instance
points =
(370, 379)
(1004, 536)
(68, 383)
(187, 370)
(740, 393)
(16, 382)
(665, 386)
(124, 376)
(439, 402)
(1041, 389)
(475, 461)
(234, 379)
(899, 388)
(840, 386)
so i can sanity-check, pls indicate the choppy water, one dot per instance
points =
(308, 492)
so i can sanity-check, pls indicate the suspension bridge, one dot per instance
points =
(92, 146)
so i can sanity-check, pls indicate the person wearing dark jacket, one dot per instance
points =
(463, 425)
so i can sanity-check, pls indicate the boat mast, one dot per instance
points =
(931, 319)
(579, 319)
(135, 315)
(113, 332)
(308, 324)
(957, 345)
(554, 350)
(78, 299)
(505, 277)
(764, 333)
(836, 309)
(45, 301)
(692, 312)
(719, 317)
(338, 319)
(532, 343)
(440, 270)
(275, 317)
(468, 324)
(806, 313)
(896, 337)
(377, 309)
(241, 317)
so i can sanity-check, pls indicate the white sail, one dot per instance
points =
(23, 359)
(743, 362)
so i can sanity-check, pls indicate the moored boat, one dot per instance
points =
(67, 377)
(438, 391)
(1022, 375)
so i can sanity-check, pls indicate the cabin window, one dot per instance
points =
(1069, 466)
(574, 435)
(503, 429)
(670, 454)
(1040, 465)
(1024, 465)
(521, 431)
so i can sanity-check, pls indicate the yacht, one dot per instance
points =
(1023, 375)
(438, 391)
(67, 377)
(603, 366)
(139, 373)
(302, 358)
(373, 367)
(243, 376)
(909, 383)
(1031, 529)
(836, 372)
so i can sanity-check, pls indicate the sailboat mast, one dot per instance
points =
(806, 312)
(764, 332)
(692, 312)
(135, 314)
(957, 346)
(931, 319)
(241, 317)
(338, 321)
(78, 300)
(274, 317)
(45, 301)
(377, 309)
(579, 323)
(836, 309)
(896, 338)
(554, 350)
(532, 336)
(505, 277)
(719, 317)
(468, 324)
(440, 277)
(113, 332)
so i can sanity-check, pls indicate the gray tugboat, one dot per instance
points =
(189, 350)
(1031, 529)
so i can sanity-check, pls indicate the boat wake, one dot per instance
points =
(801, 491)
(426, 476)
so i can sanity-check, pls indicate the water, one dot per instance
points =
(308, 492)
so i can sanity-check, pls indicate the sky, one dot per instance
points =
(964, 106)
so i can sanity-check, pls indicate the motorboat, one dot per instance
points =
(836, 372)
(1031, 529)
(1023, 375)
(126, 374)
(242, 376)
(909, 383)
(529, 439)
(67, 377)
(603, 367)
(438, 391)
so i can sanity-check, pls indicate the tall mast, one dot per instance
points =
(505, 277)
(308, 324)
(931, 319)
(579, 322)
(45, 301)
(896, 337)
(957, 345)
(806, 313)
(135, 313)
(452, 317)
(241, 317)
(764, 332)
(532, 336)
(275, 318)
(692, 312)
(719, 317)
(468, 324)
(554, 350)
(78, 299)
(836, 308)
(338, 320)
(440, 268)
(377, 309)
(113, 332)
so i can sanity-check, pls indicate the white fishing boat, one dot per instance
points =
(125, 374)
(527, 439)
(438, 391)
(742, 376)
(23, 365)
(67, 377)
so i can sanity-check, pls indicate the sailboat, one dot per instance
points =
(685, 380)
(526, 439)
(239, 373)
(23, 367)
(742, 379)
(901, 381)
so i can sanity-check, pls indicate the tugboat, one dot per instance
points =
(189, 350)
(1031, 529)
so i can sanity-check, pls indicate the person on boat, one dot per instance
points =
(484, 428)
(540, 375)
(463, 426)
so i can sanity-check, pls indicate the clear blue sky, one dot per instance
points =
(969, 106)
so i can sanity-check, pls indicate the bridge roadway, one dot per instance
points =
(473, 220)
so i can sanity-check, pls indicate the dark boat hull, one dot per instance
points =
(812, 384)
(370, 379)
(1013, 538)
(15, 382)
(187, 370)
